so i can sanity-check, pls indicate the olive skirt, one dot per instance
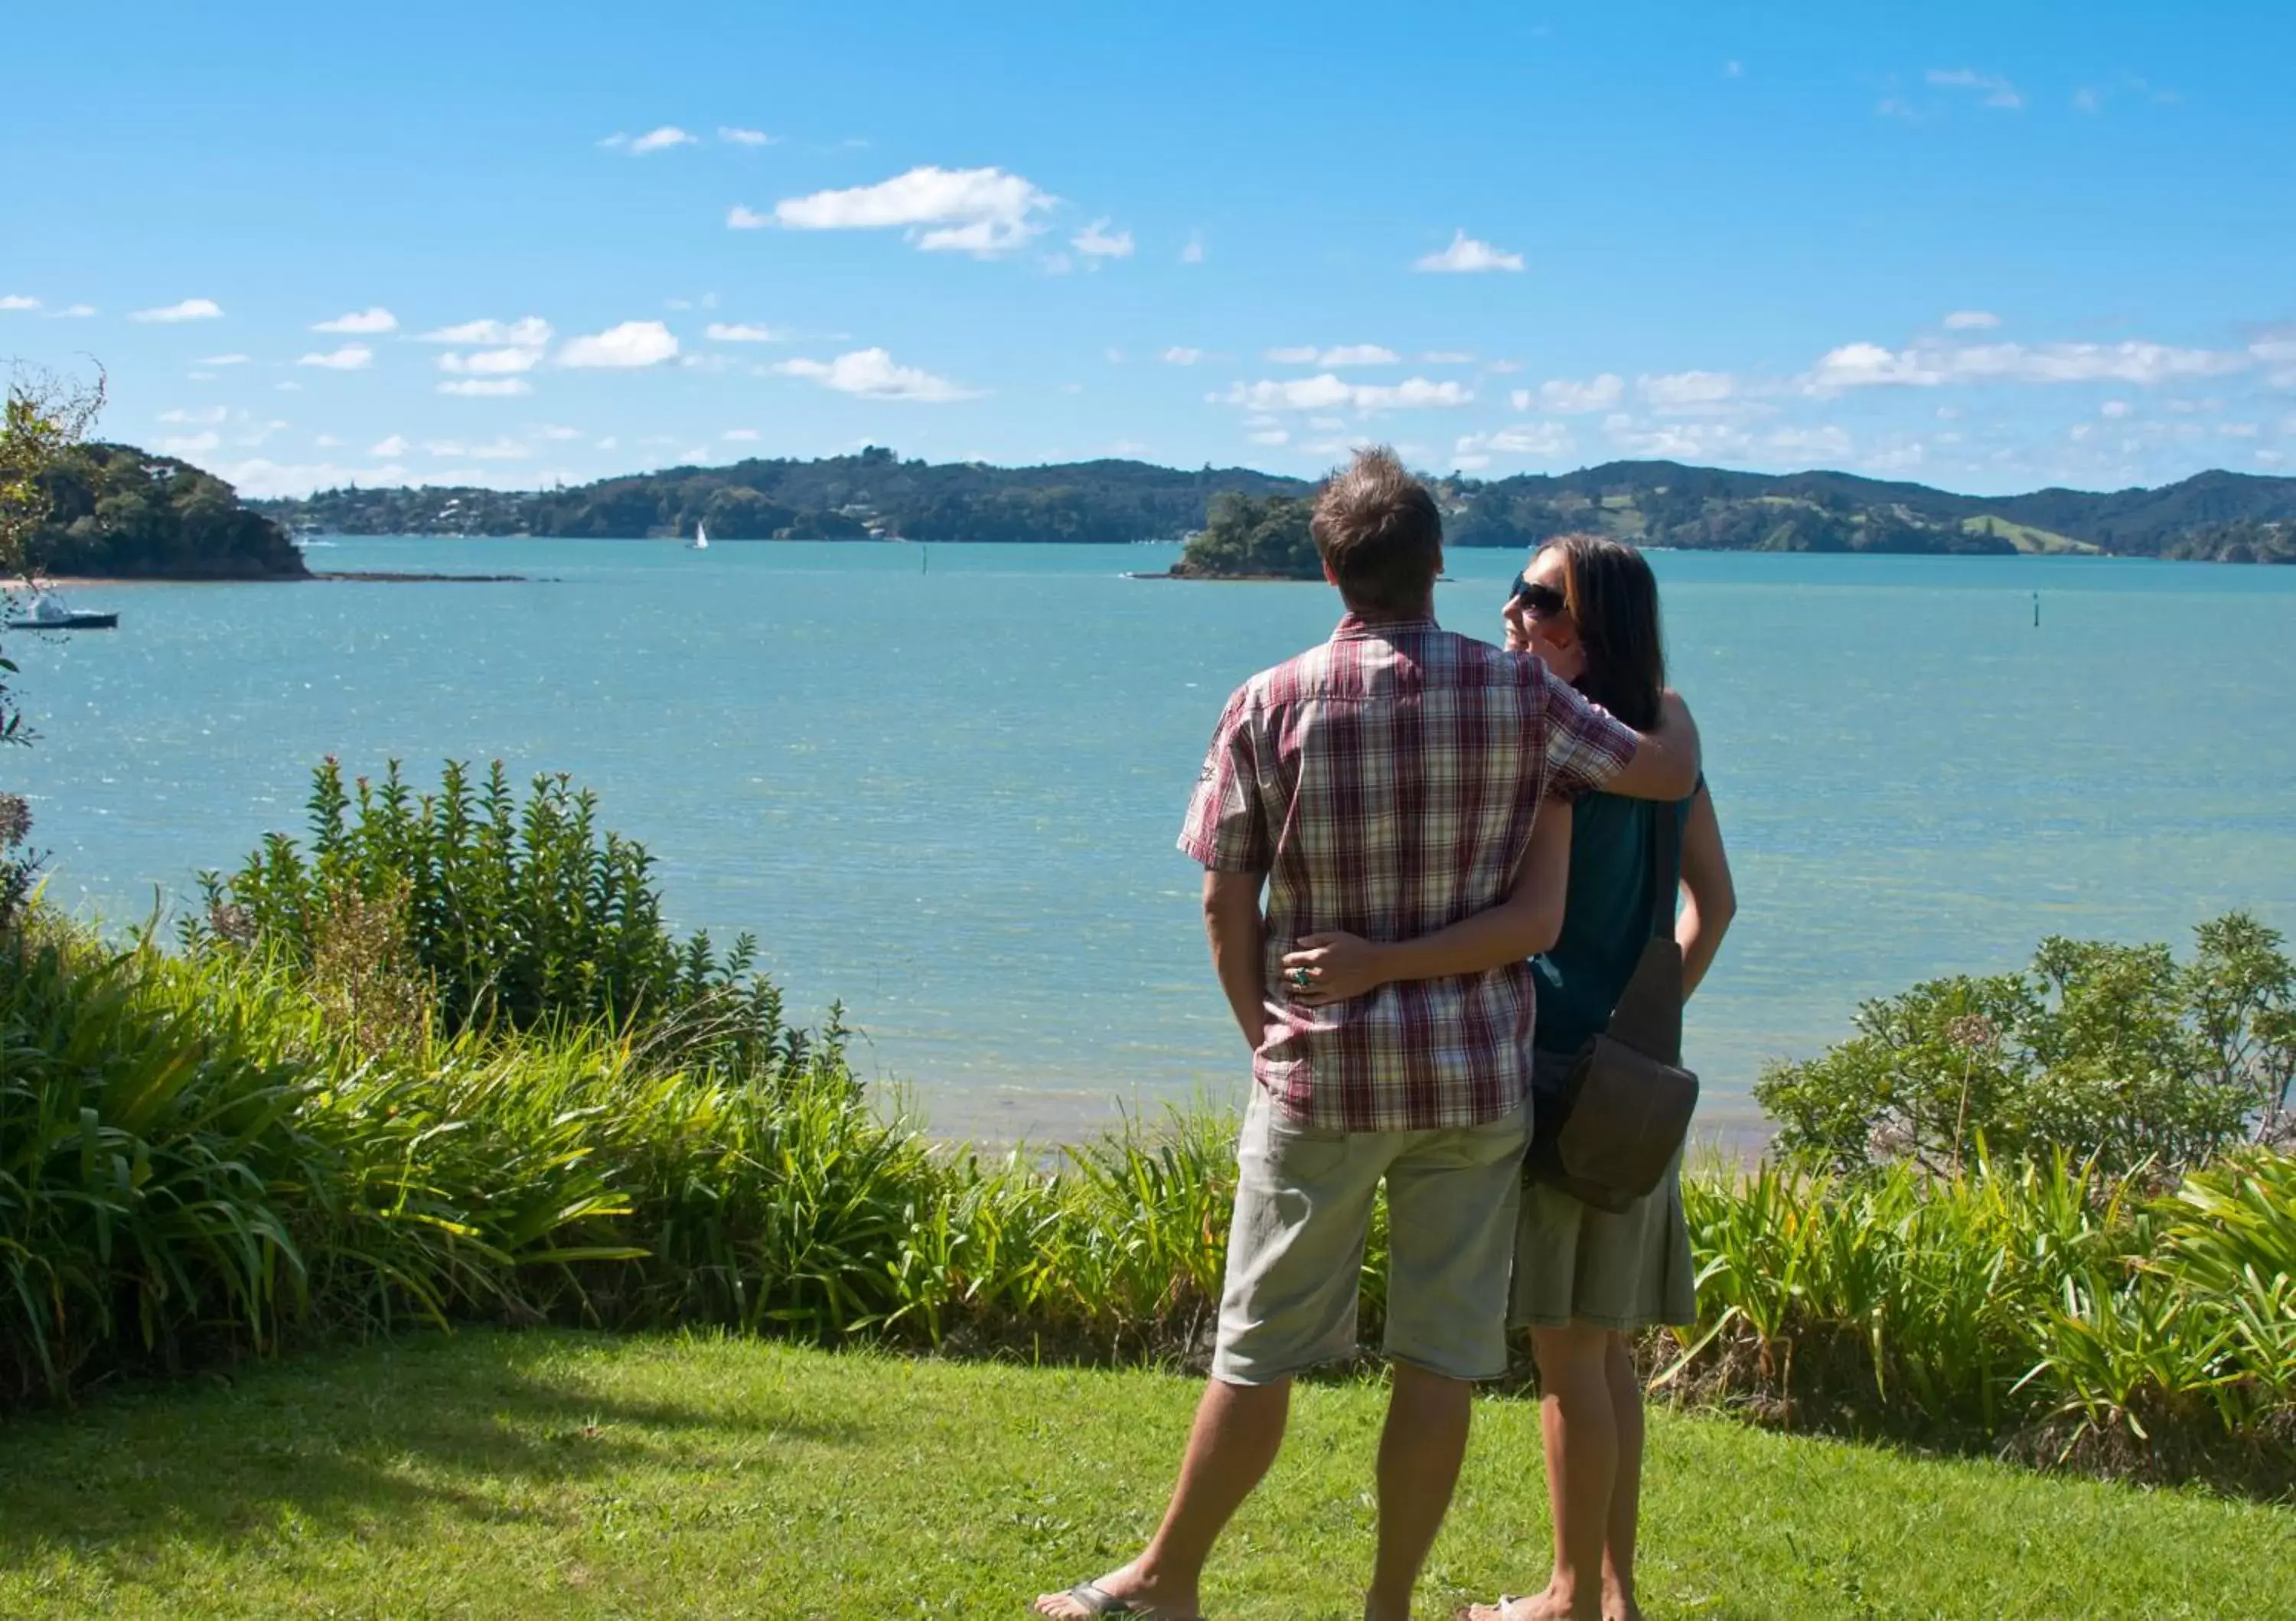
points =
(1576, 1264)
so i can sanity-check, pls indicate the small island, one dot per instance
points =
(1246, 537)
(118, 512)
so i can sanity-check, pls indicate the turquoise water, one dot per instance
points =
(942, 784)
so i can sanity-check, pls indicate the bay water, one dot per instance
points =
(941, 783)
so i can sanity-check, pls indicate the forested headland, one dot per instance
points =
(115, 510)
(875, 494)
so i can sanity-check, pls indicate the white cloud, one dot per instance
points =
(741, 436)
(1271, 436)
(739, 219)
(2089, 99)
(1867, 365)
(16, 301)
(633, 343)
(361, 322)
(531, 333)
(2115, 408)
(1327, 392)
(653, 141)
(550, 430)
(1687, 390)
(393, 446)
(73, 312)
(1096, 241)
(1542, 441)
(2277, 350)
(489, 363)
(189, 444)
(1820, 441)
(734, 135)
(190, 309)
(224, 360)
(261, 478)
(1567, 398)
(499, 450)
(208, 414)
(1994, 90)
(1967, 320)
(350, 358)
(487, 388)
(326, 441)
(1446, 357)
(1696, 441)
(1341, 354)
(1179, 355)
(1465, 254)
(1194, 252)
(872, 374)
(981, 212)
(722, 331)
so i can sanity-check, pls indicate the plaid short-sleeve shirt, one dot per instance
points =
(1386, 782)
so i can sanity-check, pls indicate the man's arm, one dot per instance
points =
(1666, 761)
(1233, 923)
(1528, 921)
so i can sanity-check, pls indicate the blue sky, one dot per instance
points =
(1983, 246)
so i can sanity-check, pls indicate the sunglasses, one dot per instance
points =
(1543, 601)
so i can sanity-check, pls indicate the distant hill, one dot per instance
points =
(117, 511)
(876, 494)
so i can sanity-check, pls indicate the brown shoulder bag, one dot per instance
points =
(1625, 1109)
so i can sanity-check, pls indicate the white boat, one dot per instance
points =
(48, 611)
(701, 541)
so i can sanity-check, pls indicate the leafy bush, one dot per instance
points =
(2112, 1052)
(512, 915)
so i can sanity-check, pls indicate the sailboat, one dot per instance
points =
(701, 541)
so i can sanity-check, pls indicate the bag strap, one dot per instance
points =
(1648, 1016)
(1665, 856)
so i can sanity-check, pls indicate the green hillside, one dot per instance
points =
(877, 493)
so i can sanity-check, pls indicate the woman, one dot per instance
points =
(1584, 1280)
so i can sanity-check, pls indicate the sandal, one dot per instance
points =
(1096, 1602)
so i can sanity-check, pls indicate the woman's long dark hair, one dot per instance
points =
(1612, 598)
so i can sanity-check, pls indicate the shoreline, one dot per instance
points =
(363, 577)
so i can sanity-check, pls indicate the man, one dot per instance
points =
(1383, 783)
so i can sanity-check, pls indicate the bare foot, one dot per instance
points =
(1142, 1597)
(1549, 1606)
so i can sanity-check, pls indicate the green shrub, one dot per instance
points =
(2114, 1053)
(2053, 1308)
(196, 1158)
(513, 914)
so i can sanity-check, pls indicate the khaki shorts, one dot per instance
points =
(1303, 1207)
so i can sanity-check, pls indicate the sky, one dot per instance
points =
(1987, 247)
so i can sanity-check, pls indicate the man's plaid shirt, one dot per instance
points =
(1386, 782)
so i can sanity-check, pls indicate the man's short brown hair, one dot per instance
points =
(1380, 534)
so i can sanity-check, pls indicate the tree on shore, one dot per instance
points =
(44, 417)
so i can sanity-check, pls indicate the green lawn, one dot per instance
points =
(542, 1474)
